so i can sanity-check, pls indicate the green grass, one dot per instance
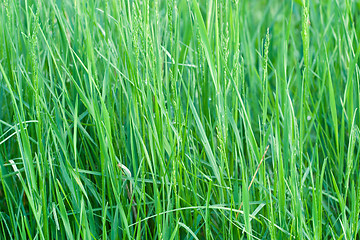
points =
(179, 119)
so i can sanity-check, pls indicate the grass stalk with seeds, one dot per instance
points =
(150, 119)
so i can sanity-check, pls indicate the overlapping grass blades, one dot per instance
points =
(186, 96)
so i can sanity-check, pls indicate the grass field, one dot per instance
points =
(179, 119)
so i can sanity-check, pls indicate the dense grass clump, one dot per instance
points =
(179, 119)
